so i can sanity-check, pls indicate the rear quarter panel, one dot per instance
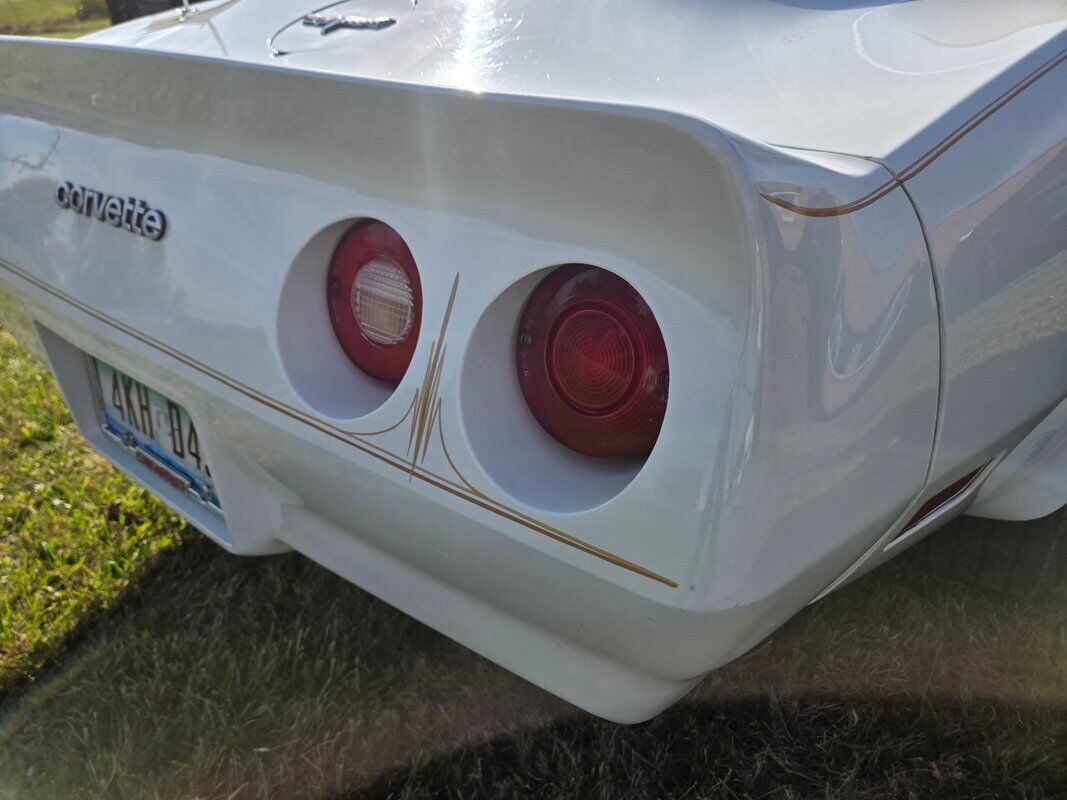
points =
(994, 205)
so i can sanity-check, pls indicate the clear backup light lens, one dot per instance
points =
(374, 298)
(383, 302)
(592, 363)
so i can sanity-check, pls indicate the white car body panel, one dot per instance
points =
(1031, 481)
(814, 351)
(860, 78)
(997, 243)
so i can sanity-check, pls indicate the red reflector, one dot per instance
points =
(942, 498)
(592, 363)
(375, 300)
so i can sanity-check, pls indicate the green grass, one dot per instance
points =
(140, 661)
(64, 18)
(75, 29)
(73, 534)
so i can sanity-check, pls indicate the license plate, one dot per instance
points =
(157, 430)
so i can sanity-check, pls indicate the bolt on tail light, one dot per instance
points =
(374, 298)
(592, 364)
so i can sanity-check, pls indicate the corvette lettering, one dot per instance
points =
(134, 215)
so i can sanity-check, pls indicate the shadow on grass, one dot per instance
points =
(216, 676)
(150, 587)
(796, 747)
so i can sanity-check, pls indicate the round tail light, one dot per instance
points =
(375, 300)
(592, 364)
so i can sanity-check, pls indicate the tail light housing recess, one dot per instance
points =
(374, 297)
(592, 363)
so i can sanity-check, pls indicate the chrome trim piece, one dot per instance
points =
(332, 22)
(329, 24)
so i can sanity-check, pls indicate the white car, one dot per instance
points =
(601, 337)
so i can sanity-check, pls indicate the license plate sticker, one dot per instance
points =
(157, 430)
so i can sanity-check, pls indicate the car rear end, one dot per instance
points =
(798, 365)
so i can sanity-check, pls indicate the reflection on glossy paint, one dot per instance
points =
(476, 25)
(851, 350)
(953, 35)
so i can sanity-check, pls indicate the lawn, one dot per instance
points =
(140, 661)
(73, 533)
(64, 18)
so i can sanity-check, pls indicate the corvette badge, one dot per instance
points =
(134, 215)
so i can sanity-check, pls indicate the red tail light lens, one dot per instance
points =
(592, 364)
(375, 300)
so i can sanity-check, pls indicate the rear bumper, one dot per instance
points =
(585, 639)
(803, 350)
